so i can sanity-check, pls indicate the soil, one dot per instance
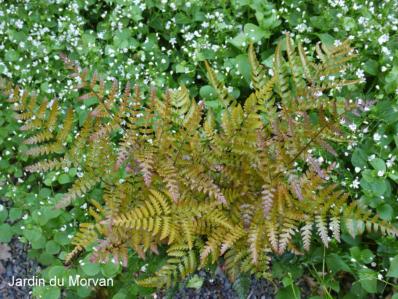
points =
(219, 287)
(14, 262)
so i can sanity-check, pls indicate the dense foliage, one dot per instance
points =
(166, 43)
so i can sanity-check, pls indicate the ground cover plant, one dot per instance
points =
(165, 44)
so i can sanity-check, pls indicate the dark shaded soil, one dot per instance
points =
(219, 287)
(14, 262)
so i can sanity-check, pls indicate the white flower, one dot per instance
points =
(383, 39)
(318, 94)
(355, 183)
(19, 24)
(144, 267)
(390, 162)
(360, 74)
(376, 137)
(386, 51)
(357, 169)
(380, 173)
(337, 43)
(301, 27)
(352, 127)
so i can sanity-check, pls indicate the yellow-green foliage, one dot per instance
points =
(206, 185)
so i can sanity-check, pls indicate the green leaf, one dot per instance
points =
(52, 292)
(378, 164)
(367, 256)
(32, 234)
(52, 247)
(242, 61)
(109, 269)
(64, 179)
(368, 280)
(254, 33)
(91, 269)
(371, 67)
(391, 80)
(46, 259)
(375, 185)
(195, 282)
(290, 292)
(57, 271)
(287, 281)
(3, 213)
(121, 38)
(239, 41)
(207, 92)
(11, 56)
(359, 158)
(120, 295)
(48, 292)
(61, 238)
(393, 271)
(242, 285)
(335, 263)
(135, 12)
(44, 193)
(83, 292)
(39, 243)
(6, 233)
(385, 211)
(15, 214)
(326, 39)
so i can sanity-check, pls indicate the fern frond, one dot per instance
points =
(79, 188)
(321, 224)
(49, 165)
(306, 233)
(267, 198)
(258, 75)
(176, 268)
(39, 138)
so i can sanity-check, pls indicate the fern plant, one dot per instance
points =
(239, 186)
